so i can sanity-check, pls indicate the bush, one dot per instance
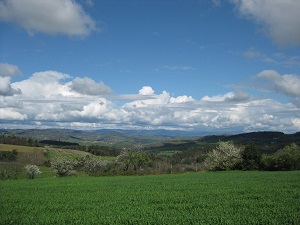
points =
(8, 155)
(92, 166)
(10, 170)
(32, 171)
(225, 156)
(286, 159)
(62, 166)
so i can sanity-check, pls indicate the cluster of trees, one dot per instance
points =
(227, 156)
(223, 156)
(102, 150)
(286, 159)
(15, 140)
(58, 143)
(129, 162)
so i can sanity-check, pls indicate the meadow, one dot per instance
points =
(193, 198)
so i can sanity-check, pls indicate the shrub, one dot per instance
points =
(286, 159)
(225, 156)
(62, 166)
(32, 171)
(92, 166)
(8, 155)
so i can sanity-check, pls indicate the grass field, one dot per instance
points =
(53, 151)
(196, 198)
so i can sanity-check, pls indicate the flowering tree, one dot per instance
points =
(62, 166)
(224, 157)
(32, 171)
(134, 159)
(95, 165)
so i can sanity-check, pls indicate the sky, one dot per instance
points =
(196, 65)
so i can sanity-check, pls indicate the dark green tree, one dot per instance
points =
(251, 157)
(288, 158)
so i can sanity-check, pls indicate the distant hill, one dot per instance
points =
(158, 140)
(115, 137)
(267, 142)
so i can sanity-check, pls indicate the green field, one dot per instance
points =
(196, 198)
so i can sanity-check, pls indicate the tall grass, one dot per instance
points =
(199, 198)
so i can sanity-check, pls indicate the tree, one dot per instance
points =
(251, 158)
(225, 156)
(62, 166)
(32, 171)
(133, 159)
(289, 158)
(92, 166)
(286, 159)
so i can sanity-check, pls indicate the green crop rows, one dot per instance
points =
(199, 198)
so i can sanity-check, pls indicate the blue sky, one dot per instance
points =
(220, 65)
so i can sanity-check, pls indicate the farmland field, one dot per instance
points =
(196, 198)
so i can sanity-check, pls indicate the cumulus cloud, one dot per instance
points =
(146, 90)
(46, 84)
(88, 86)
(182, 99)
(280, 19)
(288, 84)
(9, 114)
(49, 99)
(6, 72)
(48, 16)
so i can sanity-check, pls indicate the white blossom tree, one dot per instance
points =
(32, 171)
(224, 157)
(62, 166)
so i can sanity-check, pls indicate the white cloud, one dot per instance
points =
(9, 102)
(296, 123)
(46, 85)
(6, 72)
(88, 86)
(182, 99)
(10, 114)
(288, 84)
(236, 96)
(218, 98)
(48, 16)
(146, 90)
(279, 18)
(48, 99)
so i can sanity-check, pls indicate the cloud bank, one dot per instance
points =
(48, 16)
(279, 19)
(55, 99)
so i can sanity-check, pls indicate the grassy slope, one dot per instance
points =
(199, 198)
(56, 151)
(34, 155)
